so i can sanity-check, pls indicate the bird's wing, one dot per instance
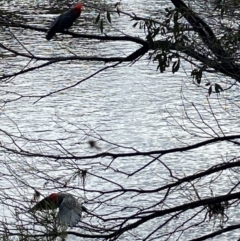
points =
(53, 28)
(44, 204)
(55, 21)
(70, 211)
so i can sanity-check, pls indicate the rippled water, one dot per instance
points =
(132, 105)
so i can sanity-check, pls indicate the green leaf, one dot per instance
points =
(101, 25)
(118, 11)
(109, 17)
(184, 37)
(155, 32)
(176, 29)
(167, 21)
(135, 24)
(210, 90)
(218, 88)
(168, 14)
(175, 17)
(163, 32)
(97, 19)
(193, 73)
(167, 10)
(175, 66)
(199, 76)
(222, 12)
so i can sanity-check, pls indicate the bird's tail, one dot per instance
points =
(50, 34)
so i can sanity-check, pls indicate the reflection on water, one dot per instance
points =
(132, 105)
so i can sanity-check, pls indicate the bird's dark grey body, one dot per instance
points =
(64, 21)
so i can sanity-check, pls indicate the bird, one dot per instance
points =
(70, 210)
(64, 21)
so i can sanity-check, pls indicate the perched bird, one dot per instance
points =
(65, 20)
(70, 210)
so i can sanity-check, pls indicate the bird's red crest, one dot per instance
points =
(77, 9)
(78, 6)
(53, 197)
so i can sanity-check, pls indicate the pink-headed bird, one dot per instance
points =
(65, 20)
(70, 210)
